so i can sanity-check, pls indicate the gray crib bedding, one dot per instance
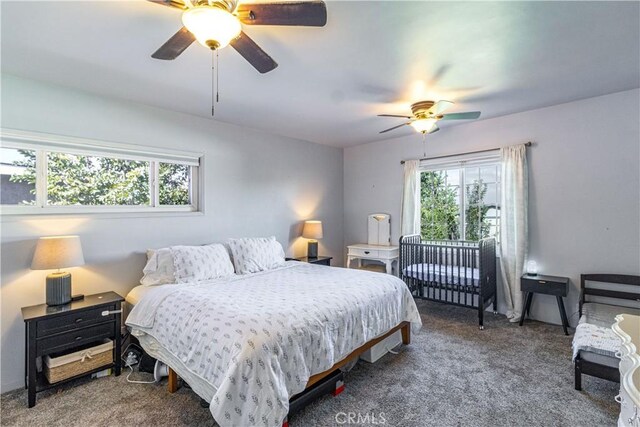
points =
(443, 273)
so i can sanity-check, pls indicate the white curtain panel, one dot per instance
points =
(410, 222)
(514, 239)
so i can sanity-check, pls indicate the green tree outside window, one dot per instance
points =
(441, 213)
(102, 181)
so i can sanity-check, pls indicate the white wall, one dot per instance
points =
(256, 184)
(584, 184)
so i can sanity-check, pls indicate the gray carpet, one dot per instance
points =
(451, 375)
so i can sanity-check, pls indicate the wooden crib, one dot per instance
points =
(461, 273)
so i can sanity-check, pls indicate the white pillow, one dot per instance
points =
(195, 263)
(253, 254)
(159, 268)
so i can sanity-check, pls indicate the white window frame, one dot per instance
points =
(461, 162)
(43, 143)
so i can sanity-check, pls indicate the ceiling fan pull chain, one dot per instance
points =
(217, 77)
(213, 83)
(424, 145)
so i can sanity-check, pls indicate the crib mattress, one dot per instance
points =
(443, 273)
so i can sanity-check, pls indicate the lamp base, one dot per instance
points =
(312, 249)
(58, 288)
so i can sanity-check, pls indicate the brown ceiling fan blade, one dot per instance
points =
(439, 107)
(393, 115)
(462, 116)
(308, 14)
(171, 3)
(175, 45)
(250, 51)
(395, 127)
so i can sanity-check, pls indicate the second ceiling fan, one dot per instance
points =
(218, 23)
(427, 113)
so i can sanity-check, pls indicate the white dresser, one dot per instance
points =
(627, 327)
(385, 254)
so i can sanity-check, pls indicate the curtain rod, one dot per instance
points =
(527, 144)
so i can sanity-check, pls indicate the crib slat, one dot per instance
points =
(440, 273)
(459, 277)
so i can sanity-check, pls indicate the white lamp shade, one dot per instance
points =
(312, 230)
(57, 252)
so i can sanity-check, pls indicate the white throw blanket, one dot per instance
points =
(596, 339)
(258, 339)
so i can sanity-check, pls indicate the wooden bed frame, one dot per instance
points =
(591, 368)
(404, 327)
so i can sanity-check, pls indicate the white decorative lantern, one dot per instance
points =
(532, 268)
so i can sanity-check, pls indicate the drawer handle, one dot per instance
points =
(78, 320)
(78, 338)
(367, 252)
(107, 312)
(543, 282)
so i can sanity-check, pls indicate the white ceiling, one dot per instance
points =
(371, 58)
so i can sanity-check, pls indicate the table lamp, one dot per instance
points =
(58, 252)
(312, 230)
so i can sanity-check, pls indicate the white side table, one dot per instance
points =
(386, 254)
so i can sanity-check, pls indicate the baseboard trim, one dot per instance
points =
(6, 387)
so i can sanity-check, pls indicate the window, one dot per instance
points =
(17, 185)
(75, 180)
(460, 200)
(47, 174)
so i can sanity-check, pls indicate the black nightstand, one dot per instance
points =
(549, 285)
(65, 327)
(321, 260)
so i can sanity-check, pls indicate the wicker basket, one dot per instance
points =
(58, 368)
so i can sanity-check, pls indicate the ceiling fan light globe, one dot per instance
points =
(212, 26)
(423, 125)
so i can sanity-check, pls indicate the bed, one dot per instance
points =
(461, 273)
(595, 345)
(248, 343)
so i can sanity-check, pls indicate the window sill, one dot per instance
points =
(9, 214)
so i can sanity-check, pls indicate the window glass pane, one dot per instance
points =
(96, 181)
(440, 213)
(489, 173)
(472, 174)
(174, 183)
(490, 197)
(476, 224)
(17, 177)
(453, 177)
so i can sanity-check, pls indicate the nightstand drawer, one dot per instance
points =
(75, 338)
(72, 321)
(363, 252)
(543, 286)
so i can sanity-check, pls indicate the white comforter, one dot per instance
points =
(258, 339)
